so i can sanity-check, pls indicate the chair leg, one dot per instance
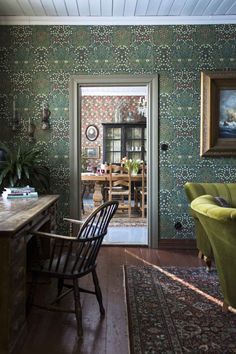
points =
(135, 198)
(60, 285)
(200, 255)
(98, 292)
(143, 209)
(207, 260)
(78, 310)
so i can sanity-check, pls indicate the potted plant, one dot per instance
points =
(23, 166)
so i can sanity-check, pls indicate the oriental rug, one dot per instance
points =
(120, 218)
(177, 310)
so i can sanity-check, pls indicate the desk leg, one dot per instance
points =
(97, 195)
(12, 292)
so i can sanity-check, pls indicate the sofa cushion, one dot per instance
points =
(222, 202)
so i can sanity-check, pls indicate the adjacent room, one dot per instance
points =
(117, 176)
(117, 135)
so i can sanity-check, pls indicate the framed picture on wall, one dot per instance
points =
(218, 113)
(91, 132)
(92, 152)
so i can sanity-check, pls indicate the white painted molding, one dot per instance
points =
(117, 21)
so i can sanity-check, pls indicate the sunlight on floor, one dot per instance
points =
(182, 281)
(127, 235)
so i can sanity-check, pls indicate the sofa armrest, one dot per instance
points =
(208, 206)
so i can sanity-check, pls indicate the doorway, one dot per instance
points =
(148, 83)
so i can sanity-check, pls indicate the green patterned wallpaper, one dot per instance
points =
(36, 63)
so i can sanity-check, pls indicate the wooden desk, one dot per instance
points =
(17, 218)
(100, 180)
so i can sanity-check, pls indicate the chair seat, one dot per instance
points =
(70, 266)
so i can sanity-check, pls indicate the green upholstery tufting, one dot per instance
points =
(219, 224)
(194, 190)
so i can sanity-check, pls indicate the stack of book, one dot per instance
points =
(19, 192)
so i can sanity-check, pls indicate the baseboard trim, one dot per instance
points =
(177, 244)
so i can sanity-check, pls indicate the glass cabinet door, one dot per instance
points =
(134, 142)
(113, 145)
(120, 140)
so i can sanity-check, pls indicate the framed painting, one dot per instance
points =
(91, 152)
(91, 132)
(218, 113)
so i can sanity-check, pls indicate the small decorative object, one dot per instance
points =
(15, 116)
(31, 131)
(218, 113)
(91, 132)
(131, 165)
(130, 117)
(45, 116)
(142, 107)
(118, 117)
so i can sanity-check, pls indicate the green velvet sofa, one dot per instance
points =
(219, 224)
(194, 190)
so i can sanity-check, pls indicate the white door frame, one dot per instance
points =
(151, 81)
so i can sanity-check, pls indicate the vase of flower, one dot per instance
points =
(131, 165)
(134, 171)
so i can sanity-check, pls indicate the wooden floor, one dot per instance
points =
(55, 333)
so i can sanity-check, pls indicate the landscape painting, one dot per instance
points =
(227, 114)
(218, 113)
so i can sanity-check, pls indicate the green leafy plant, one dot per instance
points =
(132, 165)
(22, 167)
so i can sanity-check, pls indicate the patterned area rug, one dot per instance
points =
(120, 218)
(177, 310)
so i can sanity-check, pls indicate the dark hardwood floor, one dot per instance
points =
(55, 333)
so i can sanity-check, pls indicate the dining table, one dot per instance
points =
(102, 179)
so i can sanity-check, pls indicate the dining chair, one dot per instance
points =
(143, 190)
(120, 187)
(71, 258)
(105, 186)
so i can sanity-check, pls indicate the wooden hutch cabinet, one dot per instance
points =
(124, 139)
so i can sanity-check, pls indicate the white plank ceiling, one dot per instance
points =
(117, 12)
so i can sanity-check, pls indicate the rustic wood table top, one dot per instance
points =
(15, 213)
(105, 177)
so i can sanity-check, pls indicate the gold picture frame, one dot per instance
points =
(218, 113)
(92, 152)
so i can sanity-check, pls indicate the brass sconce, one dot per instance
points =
(45, 116)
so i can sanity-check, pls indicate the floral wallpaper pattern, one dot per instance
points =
(102, 109)
(36, 63)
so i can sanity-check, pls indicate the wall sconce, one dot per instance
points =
(31, 131)
(15, 117)
(45, 116)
